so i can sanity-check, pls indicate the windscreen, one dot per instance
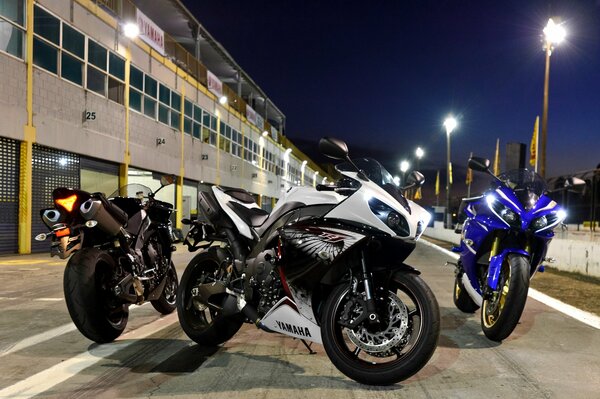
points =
(527, 185)
(132, 191)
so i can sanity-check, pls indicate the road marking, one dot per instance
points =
(580, 315)
(48, 335)
(48, 299)
(45, 380)
(39, 338)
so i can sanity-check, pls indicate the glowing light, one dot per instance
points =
(450, 124)
(131, 30)
(397, 180)
(223, 100)
(419, 152)
(561, 214)
(490, 199)
(62, 161)
(265, 133)
(404, 165)
(303, 166)
(67, 203)
(554, 33)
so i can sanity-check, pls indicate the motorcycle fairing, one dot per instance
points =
(284, 319)
(496, 265)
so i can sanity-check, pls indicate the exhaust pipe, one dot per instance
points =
(93, 209)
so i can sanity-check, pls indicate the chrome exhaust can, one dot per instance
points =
(51, 217)
(94, 210)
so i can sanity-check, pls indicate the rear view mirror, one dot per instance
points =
(415, 178)
(333, 148)
(166, 180)
(479, 164)
(186, 221)
(574, 182)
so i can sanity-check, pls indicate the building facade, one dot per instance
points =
(85, 106)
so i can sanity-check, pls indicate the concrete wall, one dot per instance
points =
(571, 255)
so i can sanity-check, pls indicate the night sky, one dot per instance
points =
(383, 75)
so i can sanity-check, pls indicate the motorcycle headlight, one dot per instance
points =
(396, 222)
(548, 221)
(539, 223)
(507, 215)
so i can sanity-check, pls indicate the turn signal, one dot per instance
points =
(67, 203)
(62, 233)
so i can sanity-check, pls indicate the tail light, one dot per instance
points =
(68, 203)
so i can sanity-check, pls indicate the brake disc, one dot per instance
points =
(394, 331)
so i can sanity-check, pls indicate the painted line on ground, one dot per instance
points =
(47, 335)
(580, 315)
(48, 299)
(44, 380)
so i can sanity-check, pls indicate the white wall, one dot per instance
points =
(571, 255)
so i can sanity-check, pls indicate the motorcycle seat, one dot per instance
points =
(251, 216)
(240, 195)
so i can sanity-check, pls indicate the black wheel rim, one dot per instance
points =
(395, 355)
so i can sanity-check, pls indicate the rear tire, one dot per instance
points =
(500, 314)
(97, 314)
(167, 302)
(462, 300)
(408, 357)
(204, 326)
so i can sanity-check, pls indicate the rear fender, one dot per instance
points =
(496, 265)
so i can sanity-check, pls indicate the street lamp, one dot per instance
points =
(404, 165)
(553, 35)
(450, 124)
(419, 154)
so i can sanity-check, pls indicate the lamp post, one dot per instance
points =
(553, 34)
(450, 124)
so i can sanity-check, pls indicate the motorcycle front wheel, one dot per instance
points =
(393, 349)
(203, 325)
(96, 313)
(501, 312)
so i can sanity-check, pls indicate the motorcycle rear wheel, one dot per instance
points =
(201, 324)
(92, 306)
(500, 314)
(462, 300)
(406, 356)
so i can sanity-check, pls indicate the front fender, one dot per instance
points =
(496, 265)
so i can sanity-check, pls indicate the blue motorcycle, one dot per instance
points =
(504, 241)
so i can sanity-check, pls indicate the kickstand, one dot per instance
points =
(308, 346)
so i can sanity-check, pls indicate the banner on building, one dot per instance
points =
(215, 86)
(150, 32)
(250, 114)
(260, 121)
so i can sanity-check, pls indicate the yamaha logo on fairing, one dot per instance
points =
(298, 330)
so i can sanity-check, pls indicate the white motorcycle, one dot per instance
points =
(325, 266)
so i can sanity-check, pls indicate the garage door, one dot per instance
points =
(9, 195)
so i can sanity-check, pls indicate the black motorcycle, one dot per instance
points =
(121, 250)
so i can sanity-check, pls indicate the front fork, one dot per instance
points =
(497, 257)
(372, 315)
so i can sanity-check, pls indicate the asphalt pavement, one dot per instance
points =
(549, 355)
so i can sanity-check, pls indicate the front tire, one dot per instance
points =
(201, 324)
(406, 345)
(97, 314)
(500, 314)
(167, 302)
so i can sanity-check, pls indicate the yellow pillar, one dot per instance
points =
(179, 188)
(124, 167)
(260, 200)
(273, 202)
(218, 177)
(29, 137)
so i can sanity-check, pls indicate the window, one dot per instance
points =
(71, 69)
(73, 41)
(96, 80)
(97, 55)
(135, 100)
(45, 55)
(13, 10)
(16, 39)
(46, 25)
